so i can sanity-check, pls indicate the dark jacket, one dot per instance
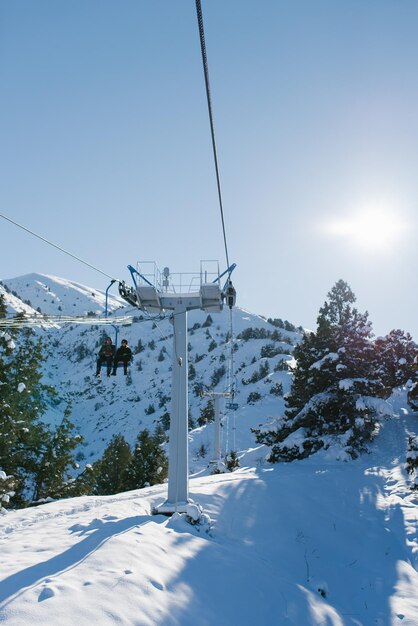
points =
(124, 353)
(107, 351)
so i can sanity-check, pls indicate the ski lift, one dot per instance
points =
(116, 329)
(118, 364)
(230, 294)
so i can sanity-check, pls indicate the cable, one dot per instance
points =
(58, 247)
(44, 320)
(206, 73)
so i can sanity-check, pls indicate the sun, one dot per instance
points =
(371, 229)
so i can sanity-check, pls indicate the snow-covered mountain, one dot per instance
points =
(58, 296)
(102, 408)
(306, 543)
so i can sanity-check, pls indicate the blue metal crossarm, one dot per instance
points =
(107, 296)
(228, 271)
(133, 272)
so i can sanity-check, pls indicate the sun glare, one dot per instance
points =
(371, 230)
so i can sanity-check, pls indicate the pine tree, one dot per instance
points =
(411, 464)
(26, 442)
(52, 477)
(149, 464)
(111, 470)
(207, 414)
(22, 404)
(232, 461)
(334, 385)
(413, 389)
(395, 356)
(84, 484)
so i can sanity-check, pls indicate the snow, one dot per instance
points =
(57, 296)
(295, 439)
(304, 543)
(346, 384)
(323, 541)
(331, 357)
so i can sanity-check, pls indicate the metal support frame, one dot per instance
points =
(208, 297)
(178, 467)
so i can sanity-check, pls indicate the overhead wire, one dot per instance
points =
(210, 111)
(230, 374)
(46, 320)
(58, 247)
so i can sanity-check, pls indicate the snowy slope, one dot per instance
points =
(59, 296)
(14, 304)
(310, 543)
(307, 543)
(105, 407)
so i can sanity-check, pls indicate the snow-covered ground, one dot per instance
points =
(316, 542)
(319, 542)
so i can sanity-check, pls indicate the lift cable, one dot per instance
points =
(58, 247)
(212, 129)
(48, 321)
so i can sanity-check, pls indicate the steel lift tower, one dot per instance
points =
(189, 292)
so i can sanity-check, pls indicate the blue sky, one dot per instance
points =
(105, 145)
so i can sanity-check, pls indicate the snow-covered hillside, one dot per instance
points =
(101, 408)
(59, 296)
(309, 543)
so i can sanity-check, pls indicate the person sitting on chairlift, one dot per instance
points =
(106, 355)
(123, 355)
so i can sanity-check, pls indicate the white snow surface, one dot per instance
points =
(58, 296)
(324, 541)
(306, 543)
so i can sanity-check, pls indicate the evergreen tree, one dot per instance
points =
(84, 484)
(208, 322)
(111, 470)
(159, 434)
(232, 461)
(413, 389)
(52, 478)
(207, 414)
(395, 356)
(192, 371)
(334, 385)
(22, 404)
(149, 463)
(36, 456)
(139, 347)
(411, 464)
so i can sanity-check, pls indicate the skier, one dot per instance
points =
(106, 355)
(124, 355)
